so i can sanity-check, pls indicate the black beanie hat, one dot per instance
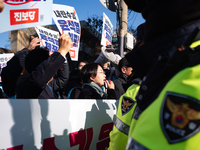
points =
(136, 5)
(34, 58)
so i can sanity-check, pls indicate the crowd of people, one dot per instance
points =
(33, 73)
(157, 83)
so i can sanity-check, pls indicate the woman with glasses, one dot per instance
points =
(94, 78)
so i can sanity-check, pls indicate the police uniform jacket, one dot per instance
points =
(169, 63)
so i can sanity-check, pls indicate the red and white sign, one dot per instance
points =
(22, 16)
(66, 20)
(19, 14)
(56, 124)
(106, 38)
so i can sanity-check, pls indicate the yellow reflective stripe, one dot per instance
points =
(195, 44)
(121, 126)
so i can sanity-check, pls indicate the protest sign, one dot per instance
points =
(53, 124)
(66, 20)
(49, 38)
(4, 58)
(19, 14)
(106, 37)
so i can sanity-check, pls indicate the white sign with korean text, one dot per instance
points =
(56, 124)
(4, 58)
(66, 20)
(49, 38)
(19, 14)
(106, 38)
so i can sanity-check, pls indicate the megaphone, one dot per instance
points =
(105, 56)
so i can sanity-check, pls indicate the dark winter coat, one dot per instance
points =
(90, 93)
(12, 71)
(121, 85)
(34, 85)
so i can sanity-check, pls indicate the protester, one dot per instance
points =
(81, 63)
(1, 6)
(14, 68)
(60, 80)
(127, 105)
(109, 61)
(106, 65)
(121, 83)
(93, 78)
(168, 62)
(74, 85)
(40, 69)
(110, 71)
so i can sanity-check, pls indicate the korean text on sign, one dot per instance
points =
(67, 21)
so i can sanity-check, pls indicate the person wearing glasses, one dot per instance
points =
(94, 78)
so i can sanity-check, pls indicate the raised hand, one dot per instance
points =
(65, 44)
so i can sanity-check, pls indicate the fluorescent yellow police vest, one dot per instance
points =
(119, 134)
(172, 121)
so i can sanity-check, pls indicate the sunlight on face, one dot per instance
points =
(128, 71)
(100, 77)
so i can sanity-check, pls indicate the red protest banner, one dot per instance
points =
(22, 16)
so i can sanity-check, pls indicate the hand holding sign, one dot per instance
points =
(34, 43)
(66, 20)
(65, 44)
(49, 38)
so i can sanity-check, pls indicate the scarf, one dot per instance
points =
(97, 89)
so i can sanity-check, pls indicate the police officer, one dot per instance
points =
(126, 107)
(168, 101)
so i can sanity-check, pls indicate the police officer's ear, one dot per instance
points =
(123, 69)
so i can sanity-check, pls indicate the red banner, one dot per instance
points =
(22, 16)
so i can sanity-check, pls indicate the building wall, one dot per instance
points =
(19, 40)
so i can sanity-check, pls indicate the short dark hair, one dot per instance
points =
(88, 70)
(35, 58)
(84, 61)
(123, 62)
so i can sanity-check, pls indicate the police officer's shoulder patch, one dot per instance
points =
(179, 117)
(127, 104)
